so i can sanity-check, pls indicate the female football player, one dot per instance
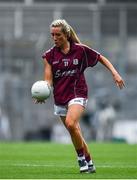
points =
(64, 69)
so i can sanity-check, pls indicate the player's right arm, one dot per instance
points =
(48, 72)
(47, 77)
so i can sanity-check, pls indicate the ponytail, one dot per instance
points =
(73, 36)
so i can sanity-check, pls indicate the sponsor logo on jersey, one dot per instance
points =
(58, 73)
(55, 62)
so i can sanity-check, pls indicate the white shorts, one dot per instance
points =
(62, 110)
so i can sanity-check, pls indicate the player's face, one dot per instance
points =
(58, 36)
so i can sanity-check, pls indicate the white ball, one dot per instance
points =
(40, 90)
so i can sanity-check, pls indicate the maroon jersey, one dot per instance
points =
(68, 71)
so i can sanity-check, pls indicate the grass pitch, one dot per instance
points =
(57, 161)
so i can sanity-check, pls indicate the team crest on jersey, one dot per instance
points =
(75, 61)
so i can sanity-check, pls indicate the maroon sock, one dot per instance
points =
(88, 157)
(80, 152)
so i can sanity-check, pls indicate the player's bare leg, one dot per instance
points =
(86, 149)
(71, 122)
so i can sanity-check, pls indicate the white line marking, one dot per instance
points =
(54, 165)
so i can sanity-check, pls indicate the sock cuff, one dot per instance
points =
(88, 158)
(80, 152)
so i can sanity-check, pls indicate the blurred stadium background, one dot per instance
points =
(108, 26)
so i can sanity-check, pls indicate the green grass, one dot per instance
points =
(50, 161)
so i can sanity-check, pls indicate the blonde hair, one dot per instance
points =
(66, 29)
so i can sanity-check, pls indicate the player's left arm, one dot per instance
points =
(116, 76)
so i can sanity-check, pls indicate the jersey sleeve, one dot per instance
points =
(47, 55)
(91, 56)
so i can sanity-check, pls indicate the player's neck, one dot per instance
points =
(66, 47)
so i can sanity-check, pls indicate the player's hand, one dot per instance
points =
(118, 80)
(37, 101)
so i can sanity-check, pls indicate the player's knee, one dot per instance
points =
(71, 126)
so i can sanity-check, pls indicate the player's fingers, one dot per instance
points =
(34, 100)
(120, 84)
(117, 84)
(123, 83)
(41, 101)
